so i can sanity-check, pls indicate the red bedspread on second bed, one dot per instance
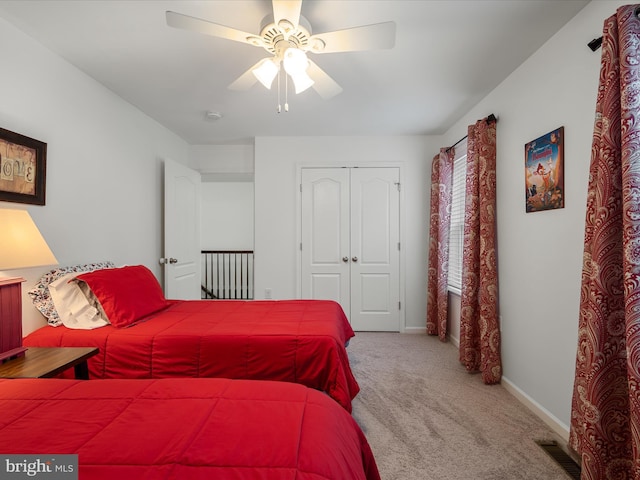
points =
(301, 341)
(203, 428)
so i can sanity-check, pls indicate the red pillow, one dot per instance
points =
(126, 294)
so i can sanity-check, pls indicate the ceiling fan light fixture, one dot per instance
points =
(301, 81)
(295, 61)
(266, 72)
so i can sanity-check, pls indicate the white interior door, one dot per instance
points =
(181, 231)
(375, 249)
(350, 233)
(325, 235)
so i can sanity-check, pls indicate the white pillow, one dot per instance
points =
(74, 308)
(40, 292)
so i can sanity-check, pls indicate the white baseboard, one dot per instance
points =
(553, 422)
(421, 330)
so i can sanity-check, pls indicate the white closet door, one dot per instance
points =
(350, 243)
(325, 235)
(375, 237)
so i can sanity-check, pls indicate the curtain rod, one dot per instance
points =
(490, 118)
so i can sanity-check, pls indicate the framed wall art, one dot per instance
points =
(23, 167)
(544, 172)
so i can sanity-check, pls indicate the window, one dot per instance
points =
(456, 228)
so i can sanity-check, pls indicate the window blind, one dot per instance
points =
(456, 228)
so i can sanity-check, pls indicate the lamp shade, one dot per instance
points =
(21, 244)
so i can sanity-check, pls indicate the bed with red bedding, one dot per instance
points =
(185, 429)
(301, 341)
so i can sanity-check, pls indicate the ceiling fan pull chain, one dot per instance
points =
(286, 93)
(279, 104)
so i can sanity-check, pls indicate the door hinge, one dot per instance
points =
(300, 246)
(398, 246)
(399, 306)
(397, 184)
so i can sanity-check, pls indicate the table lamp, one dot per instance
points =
(21, 246)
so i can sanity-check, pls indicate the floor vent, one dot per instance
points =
(561, 457)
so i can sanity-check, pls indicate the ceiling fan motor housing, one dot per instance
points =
(275, 39)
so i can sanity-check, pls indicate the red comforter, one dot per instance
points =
(185, 428)
(301, 341)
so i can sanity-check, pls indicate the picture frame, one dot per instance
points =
(544, 172)
(23, 168)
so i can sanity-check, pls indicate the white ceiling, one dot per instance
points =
(448, 55)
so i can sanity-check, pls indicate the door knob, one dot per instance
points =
(173, 260)
(354, 259)
(345, 259)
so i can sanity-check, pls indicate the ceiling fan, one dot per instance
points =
(287, 37)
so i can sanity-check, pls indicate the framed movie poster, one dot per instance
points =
(544, 172)
(23, 166)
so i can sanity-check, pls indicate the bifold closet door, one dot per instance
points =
(350, 242)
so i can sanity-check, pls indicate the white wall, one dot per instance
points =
(540, 254)
(222, 162)
(227, 216)
(277, 160)
(103, 162)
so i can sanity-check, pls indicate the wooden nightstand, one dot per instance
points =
(39, 362)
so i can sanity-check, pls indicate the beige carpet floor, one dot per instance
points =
(426, 418)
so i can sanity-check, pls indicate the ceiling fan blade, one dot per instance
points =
(322, 82)
(287, 10)
(194, 24)
(246, 80)
(378, 36)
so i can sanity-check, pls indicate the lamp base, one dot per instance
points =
(11, 318)
(13, 353)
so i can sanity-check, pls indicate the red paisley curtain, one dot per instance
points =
(440, 217)
(479, 327)
(605, 411)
